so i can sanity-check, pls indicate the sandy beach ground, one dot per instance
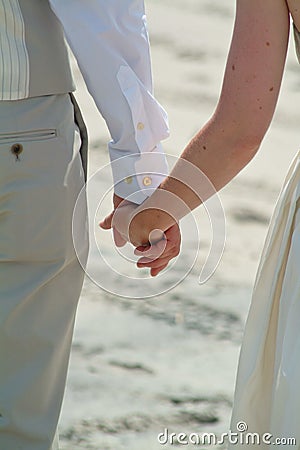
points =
(141, 366)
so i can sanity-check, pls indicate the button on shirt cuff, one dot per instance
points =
(144, 167)
(137, 175)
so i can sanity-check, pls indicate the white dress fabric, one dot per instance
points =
(267, 396)
(267, 393)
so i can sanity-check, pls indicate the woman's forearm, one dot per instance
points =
(211, 159)
(245, 109)
(233, 135)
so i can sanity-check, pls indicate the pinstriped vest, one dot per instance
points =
(33, 54)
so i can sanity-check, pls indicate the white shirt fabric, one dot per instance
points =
(110, 42)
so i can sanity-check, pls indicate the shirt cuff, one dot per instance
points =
(137, 175)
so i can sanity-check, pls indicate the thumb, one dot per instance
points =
(106, 223)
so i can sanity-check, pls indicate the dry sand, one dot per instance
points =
(138, 367)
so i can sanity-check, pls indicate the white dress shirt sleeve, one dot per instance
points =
(110, 42)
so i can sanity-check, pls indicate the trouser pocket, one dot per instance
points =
(41, 176)
(27, 136)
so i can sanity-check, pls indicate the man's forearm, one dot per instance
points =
(110, 42)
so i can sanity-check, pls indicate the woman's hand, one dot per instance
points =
(145, 230)
(157, 256)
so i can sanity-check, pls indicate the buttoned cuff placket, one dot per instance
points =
(139, 174)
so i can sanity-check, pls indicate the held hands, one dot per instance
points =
(143, 230)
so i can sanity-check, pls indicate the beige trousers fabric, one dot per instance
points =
(267, 393)
(40, 277)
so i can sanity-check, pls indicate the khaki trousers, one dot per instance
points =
(41, 176)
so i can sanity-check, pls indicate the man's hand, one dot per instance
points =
(106, 223)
